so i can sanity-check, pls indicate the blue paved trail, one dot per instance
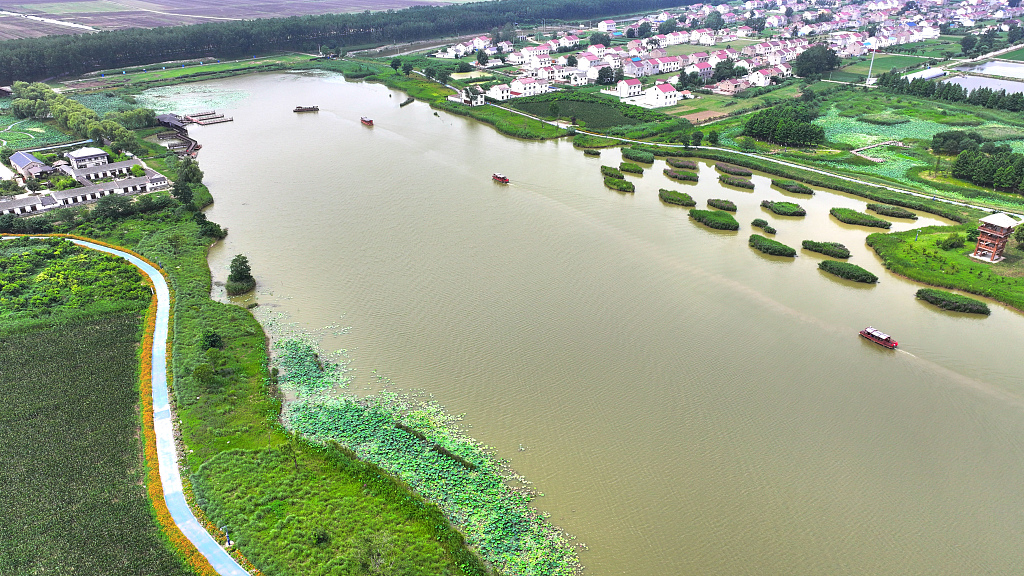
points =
(166, 454)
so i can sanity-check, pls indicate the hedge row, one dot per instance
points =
(673, 197)
(791, 186)
(734, 181)
(833, 249)
(954, 213)
(715, 219)
(591, 152)
(954, 302)
(850, 216)
(763, 225)
(631, 168)
(893, 211)
(769, 246)
(722, 204)
(784, 208)
(687, 164)
(620, 185)
(637, 155)
(682, 175)
(734, 170)
(611, 172)
(848, 271)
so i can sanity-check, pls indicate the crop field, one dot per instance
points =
(72, 479)
(590, 114)
(71, 7)
(1014, 55)
(931, 48)
(19, 133)
(683, 49)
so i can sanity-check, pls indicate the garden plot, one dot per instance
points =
(21, 133)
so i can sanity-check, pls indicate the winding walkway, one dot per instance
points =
(167, 456)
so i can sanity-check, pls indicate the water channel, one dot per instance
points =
(687, 405)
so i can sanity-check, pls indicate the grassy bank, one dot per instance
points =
(73, 479)
(918, 257)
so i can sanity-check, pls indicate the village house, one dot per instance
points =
(26, 205)
(470, 96)
(86, 157)
(528, 87)
(698, 57)
(663, 94)
(597, 50)
(100, 171)
(606, 26)
(569, 41)
(703, 69)
(731, 86)
(667, 64)
(628, 88)
(28, 165)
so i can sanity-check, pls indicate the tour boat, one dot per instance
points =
(879, 337)
(500, 178)
(306, 109)
(366, 121)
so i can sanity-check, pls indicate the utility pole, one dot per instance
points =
(870, 66)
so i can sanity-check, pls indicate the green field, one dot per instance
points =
(591, 115)
(931, 48)
(72, 480)
(883, 63)
(19, 133)
(683, 49)
(1017, 54)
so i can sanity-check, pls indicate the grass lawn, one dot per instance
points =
(592, 115)
(932, 48)
(72, 480)
(883, 63)
(729, 104)
(1017, 54)
(682, 49)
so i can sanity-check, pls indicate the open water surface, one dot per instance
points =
(687, 405)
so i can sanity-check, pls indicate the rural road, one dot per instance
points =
(170, 476)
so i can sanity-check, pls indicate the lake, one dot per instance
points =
(686, 404)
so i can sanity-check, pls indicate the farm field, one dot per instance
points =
(13, 27)
(719, 105)
(593, 115)
(74, 499)
(1017, 54)
(171, 71)
(931, 48)
(682, 49)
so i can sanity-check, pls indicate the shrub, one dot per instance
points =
(848, 271)
(833, 249)
(673, 197)
(893, 211)
(953, 302)
(588, 141)
(759, 223)
(951, 242)
(631, 168)
(620, 185)
(611, 172)
(791, 186)
(637, 155)
(769, 246)
(681, 175)
(769, 230)
(591, 152)
(734, 181)
(734, 170)
(722, 204)
(687, 164)
(858, 218)
(715, 219)
(784, 208)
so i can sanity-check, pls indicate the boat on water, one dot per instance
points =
(500, 178)
(306, 109)
(366, 121)
(879, 337)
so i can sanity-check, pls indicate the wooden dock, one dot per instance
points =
(214, 120)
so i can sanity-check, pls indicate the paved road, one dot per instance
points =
(223, 563)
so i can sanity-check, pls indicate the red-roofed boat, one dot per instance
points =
(366, 121)
(879, 337)
(500, 178)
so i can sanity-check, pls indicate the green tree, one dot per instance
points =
(816, 60)
(189, 172)
(482, 58)
(644, 30)
(396, 63)
(138, 171)
(600, 38)
(714, 21)
(696, 137)
(463, 67)
(572, 61)
(668, 26)
(967, 43)
(240, 269)
(429, 72)
(182, 192)
(606, 75)
(1018, 235)
(713, 137)
(407, 68)
(444, 76)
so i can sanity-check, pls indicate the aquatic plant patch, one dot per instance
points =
(848, 271)
(850, 216)
(733, 170)
(722, 204)
(681, 175)
(588, 141)
(620, 185)
(763, 225)
(683, 164)
(678, 198)
(892, 211)
(591, 152)
(631, 168)
(422, 445)
(953, 302)
(833, 249)
(784, 208)
(611, 172)
(715, 219)
(769, 246)
(104, 102)
(791, 186)
(735, 181)
(637, 155)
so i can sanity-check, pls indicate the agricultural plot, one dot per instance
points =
(19, 133)
(882, 64)
(931, 48)
(72, 480)
(1014, 55)
(589, 114)
(857, 133)
(685, 49)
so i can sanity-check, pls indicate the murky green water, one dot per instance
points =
(688, 405)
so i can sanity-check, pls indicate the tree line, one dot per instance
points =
(787, 124)
(53, 56)
(893, 83)
(1003, 170)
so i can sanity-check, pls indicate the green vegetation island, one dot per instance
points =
(769, 246)
(847, 271)
(716, 219)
